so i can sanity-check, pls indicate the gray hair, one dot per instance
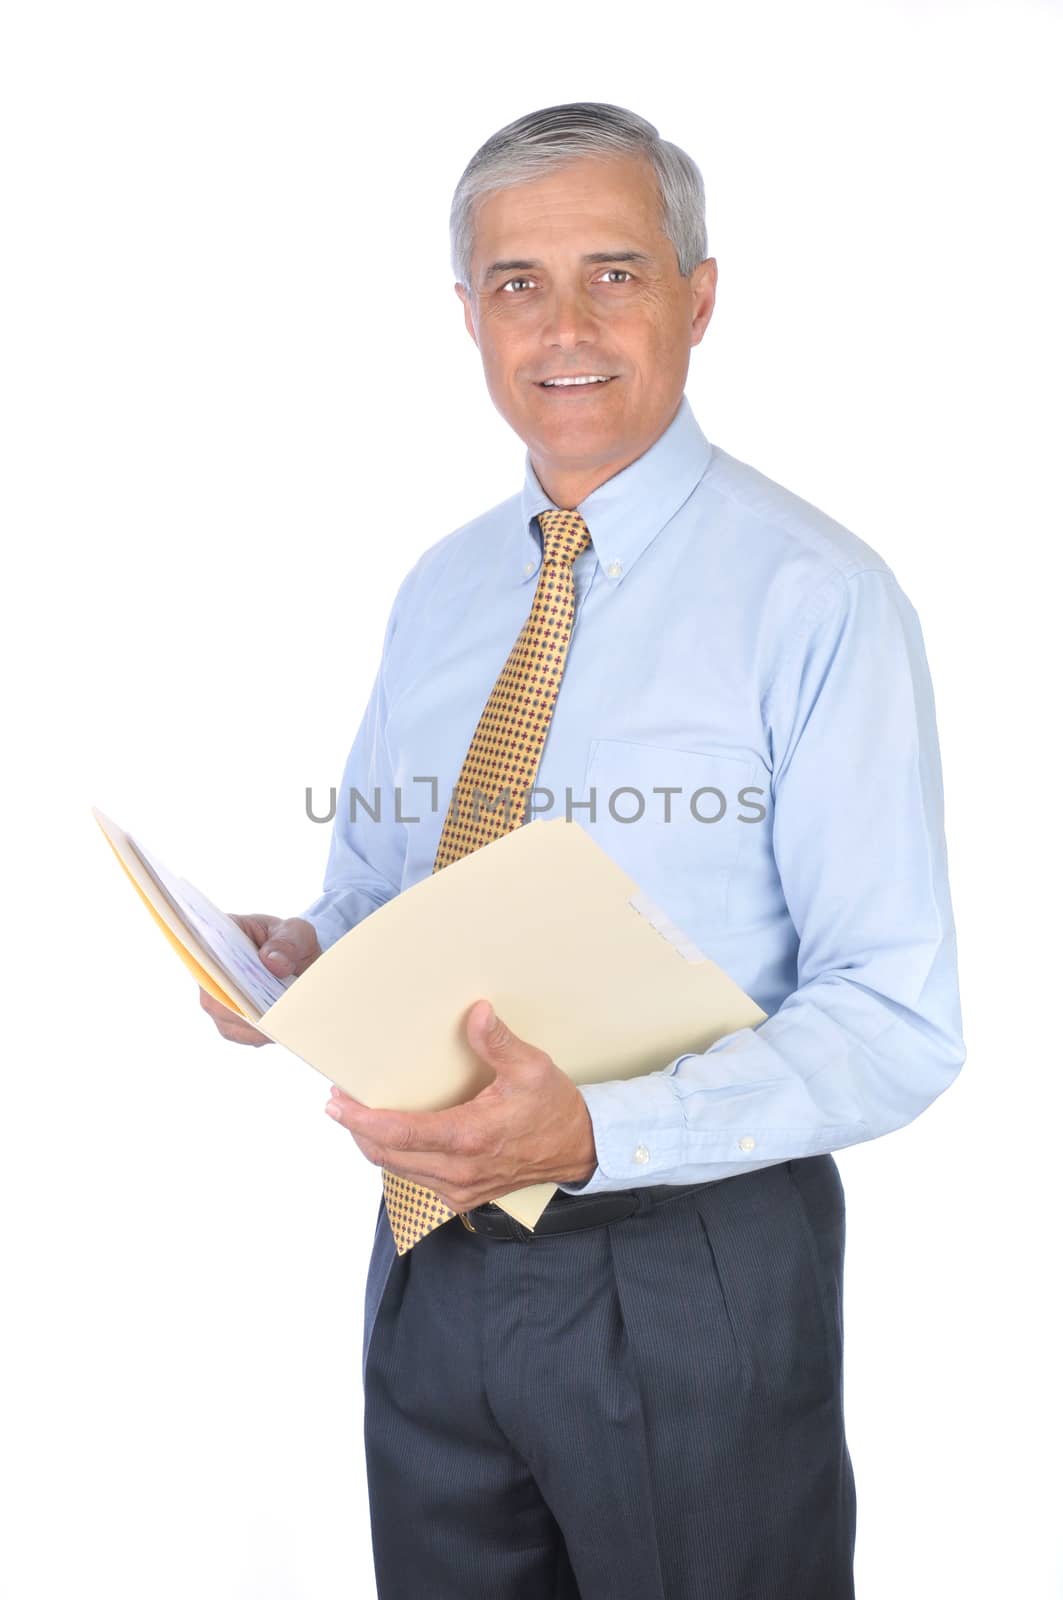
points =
(541, 141)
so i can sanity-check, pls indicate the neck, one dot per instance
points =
(569, 486)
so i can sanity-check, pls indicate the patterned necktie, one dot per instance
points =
(497, 773)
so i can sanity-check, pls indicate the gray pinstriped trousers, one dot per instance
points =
(645, 1410)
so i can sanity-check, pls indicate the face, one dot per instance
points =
(572, 276)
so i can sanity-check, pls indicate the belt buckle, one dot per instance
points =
(465, 1218)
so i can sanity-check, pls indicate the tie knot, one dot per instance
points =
(565, 534)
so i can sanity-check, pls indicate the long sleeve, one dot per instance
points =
(364, 866)
(871, 1035)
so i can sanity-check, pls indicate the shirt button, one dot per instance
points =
(642, 1155)
(529, 569)
(614, 569)
(747, 1143)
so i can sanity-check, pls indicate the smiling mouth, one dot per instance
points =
(574, 385)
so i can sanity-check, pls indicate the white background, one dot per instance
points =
(239, 400)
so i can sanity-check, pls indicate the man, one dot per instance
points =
(644, 1397)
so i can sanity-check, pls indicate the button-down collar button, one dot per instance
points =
(642, 1155)
(529, 569)
(747, 1143)
(614, 569)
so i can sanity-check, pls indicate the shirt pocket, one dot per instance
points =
(673, 820)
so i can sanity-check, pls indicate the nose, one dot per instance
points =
(569, 319)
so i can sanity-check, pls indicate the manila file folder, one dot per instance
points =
(544, 924)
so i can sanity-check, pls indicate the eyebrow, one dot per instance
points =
(595, 256)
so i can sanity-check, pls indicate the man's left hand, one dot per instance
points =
(531, 1125)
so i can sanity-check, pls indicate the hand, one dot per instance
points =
(285, 946)
(531, 1125)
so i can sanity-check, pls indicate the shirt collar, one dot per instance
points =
(626, 512)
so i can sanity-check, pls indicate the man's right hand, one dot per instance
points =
(285, 946)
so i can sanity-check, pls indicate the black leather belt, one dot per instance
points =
(566, 1213)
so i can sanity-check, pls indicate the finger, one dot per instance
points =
(219, 1010)
(223, 1015)
(438, 1182)
(496, 1043)
(415, 1167)
(286, 945)
(343, 1096)
(241, 1033)
(457, 1196)
(279, 957)
(229, 1025)
(373, 1153)
(411, 1131)
(378, 1156)
(290, 948)
(255, 924)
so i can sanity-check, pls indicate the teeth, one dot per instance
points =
(558, 383)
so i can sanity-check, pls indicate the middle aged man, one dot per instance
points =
(643, 1399)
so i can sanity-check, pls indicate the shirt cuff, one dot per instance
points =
(328, 926)
(638, 1134)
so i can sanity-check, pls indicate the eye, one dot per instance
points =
(614, 272)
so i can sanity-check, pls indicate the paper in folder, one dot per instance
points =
(542, 922)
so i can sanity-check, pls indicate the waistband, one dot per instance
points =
(567, 1213)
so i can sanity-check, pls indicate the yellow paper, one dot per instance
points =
(191, 952)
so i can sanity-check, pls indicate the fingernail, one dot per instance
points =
(333, 1110)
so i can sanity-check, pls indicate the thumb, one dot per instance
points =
(290, 948)
(490, 1037)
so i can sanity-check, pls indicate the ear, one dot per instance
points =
(459, 290)
(702, 298)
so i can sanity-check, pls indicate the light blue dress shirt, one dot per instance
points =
(747, 706)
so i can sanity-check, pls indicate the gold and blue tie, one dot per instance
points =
(498, 772)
